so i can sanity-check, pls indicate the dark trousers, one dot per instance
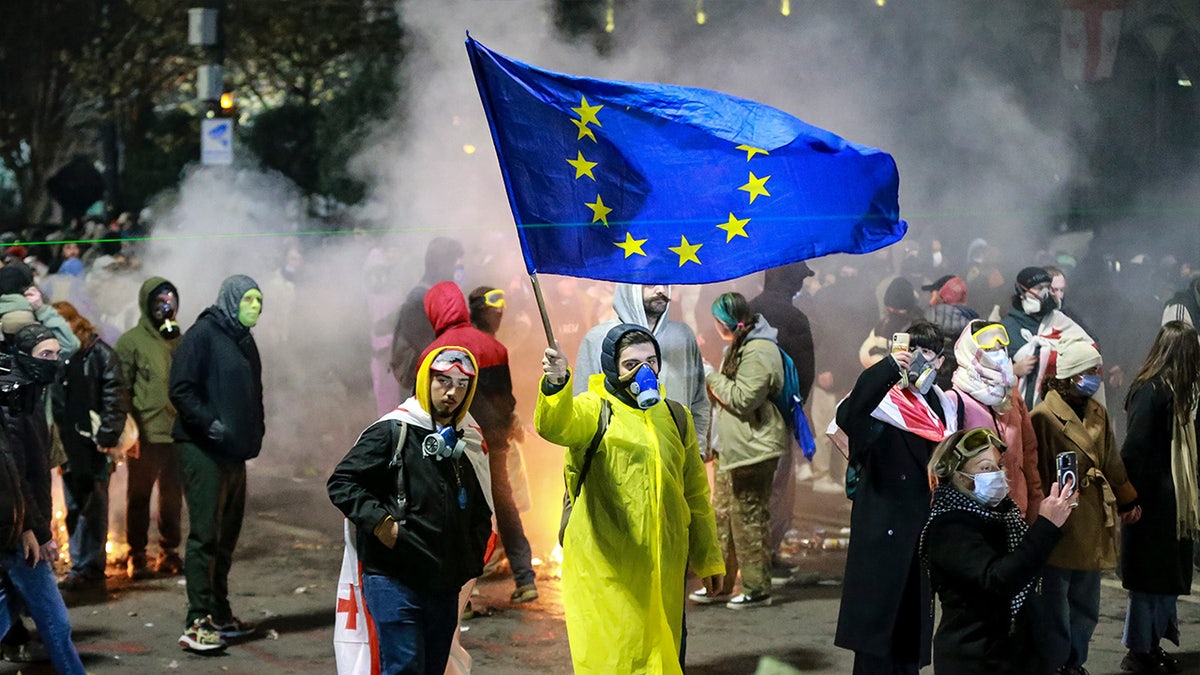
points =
(159, 462)
(508, 520)
(216, 497)
(87, 523)
(415, 629)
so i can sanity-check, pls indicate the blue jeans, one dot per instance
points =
(87, 523)
(1072, 610)
(38, 588)
(415, 629)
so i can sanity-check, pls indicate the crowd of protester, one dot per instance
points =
(948, 442)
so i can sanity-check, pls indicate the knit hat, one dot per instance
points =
(899, 294)
(15, 277)
(15, 320)
(31, 336)
(1075, 357)
(1032, 276)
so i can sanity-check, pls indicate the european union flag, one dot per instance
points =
(651, 183)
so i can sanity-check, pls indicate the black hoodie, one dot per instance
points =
(780, 285)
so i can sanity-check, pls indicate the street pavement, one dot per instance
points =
(285, 576)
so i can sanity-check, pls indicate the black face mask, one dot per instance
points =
(162, 312)
(41, 371)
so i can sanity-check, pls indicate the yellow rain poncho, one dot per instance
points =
(642, 516)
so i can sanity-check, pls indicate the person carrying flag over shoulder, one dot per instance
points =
(411, 489)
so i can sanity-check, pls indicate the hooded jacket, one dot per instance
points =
(216, 374)
(46, 315)
(681, 372)
(749, 426)
(440, 545)
(780, 285)
(642, 515)
(146, 363)
(1184, 306)
(413, 332)
(493, 403)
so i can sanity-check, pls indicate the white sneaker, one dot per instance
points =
(828, 486)
(701, 597)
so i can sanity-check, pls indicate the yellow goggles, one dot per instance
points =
(494, 298)
(976, 441)
(990, 336)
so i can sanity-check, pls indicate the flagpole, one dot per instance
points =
(541, 303)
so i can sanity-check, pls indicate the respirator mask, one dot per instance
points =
(644, 387)
(921, 374)
(1037, 305)
(443, 444)
(162, 312)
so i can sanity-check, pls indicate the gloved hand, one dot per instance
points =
(216, 431)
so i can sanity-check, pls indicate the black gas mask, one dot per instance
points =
(163, 307)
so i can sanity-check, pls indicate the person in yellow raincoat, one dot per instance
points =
(642, 516)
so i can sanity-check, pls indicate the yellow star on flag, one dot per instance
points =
(751, 151)
(584, 130)
(582, 166)
(587, 113)
(685, 251)
(631, 245)
(599, 211)
(757, 186)
(736, 227)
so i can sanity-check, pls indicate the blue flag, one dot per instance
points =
(651, 183)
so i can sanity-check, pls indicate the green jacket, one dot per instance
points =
(48, 317)
(146, 359)
(750, 428)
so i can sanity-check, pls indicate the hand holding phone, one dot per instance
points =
(1068, 472)
(901, 355)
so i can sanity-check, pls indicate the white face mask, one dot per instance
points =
(999, 358)
(1031, 306)
(937, 258)
(991, 487)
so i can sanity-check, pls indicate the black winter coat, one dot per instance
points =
(976, 578)
(216, 374)
(1153, 560)
(890, 510)
(93, 382)
(441, 546)
(795, 332)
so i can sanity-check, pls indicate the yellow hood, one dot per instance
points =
(422, 389)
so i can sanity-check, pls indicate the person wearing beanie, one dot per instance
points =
(1070, 419)
(1036, 327)
(22, 303)
(146, 351)
(948, 309)
(899, 310)
(27, 564)
(216, 388)
(420, 548)
(984, 560)
(641, 513)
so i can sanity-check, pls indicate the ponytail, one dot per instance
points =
(732, 310)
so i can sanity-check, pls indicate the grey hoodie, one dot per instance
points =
(682, 369)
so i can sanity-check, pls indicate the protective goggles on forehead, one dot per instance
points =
(494, 298)
(451, 359)
(991, 336)
(976, 441)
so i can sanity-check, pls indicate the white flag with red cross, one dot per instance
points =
(354, 640)
(1091, 31)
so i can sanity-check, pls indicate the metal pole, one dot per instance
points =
(541, 303)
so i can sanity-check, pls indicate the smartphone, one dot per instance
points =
(900, 344)
(1068, 469)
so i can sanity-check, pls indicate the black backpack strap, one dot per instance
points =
(679, 416)
(397, 464)
(961, 414)
(601, 427)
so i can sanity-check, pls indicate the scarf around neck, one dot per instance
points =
(1183, 475)
(979, 376)
(947, 499)
(909, 411)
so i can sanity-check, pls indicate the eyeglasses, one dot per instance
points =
(990, 336)
(976, 441)
(494, 298)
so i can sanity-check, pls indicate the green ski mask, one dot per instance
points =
(250, 308)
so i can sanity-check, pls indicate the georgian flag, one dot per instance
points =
(1091, 30)
(354, 641)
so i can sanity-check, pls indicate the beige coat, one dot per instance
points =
(1089, 535)
(750, 428)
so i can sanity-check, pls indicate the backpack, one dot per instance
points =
(678, 415)
(790, 404)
